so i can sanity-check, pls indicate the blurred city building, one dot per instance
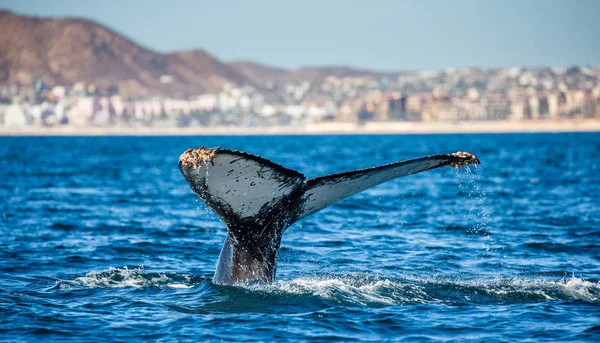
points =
(430, 96)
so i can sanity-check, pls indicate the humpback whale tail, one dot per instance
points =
(258, 199)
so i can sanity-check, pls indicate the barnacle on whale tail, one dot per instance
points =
(463, 159)
(195, 157)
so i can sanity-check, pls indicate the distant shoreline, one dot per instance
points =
(369, 128)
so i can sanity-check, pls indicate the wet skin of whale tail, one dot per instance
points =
(259, 199)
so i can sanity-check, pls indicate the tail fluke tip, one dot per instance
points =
(195, 157)
(463, 159)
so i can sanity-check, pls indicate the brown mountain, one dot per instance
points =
(261, 74)
(66, 51)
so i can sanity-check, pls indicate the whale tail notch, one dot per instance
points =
(258, 199)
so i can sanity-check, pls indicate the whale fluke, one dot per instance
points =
(258, 199)
(325, 191)
(253, 196)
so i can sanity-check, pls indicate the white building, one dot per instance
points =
(15, 116)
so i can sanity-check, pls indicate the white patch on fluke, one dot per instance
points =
(244, 183)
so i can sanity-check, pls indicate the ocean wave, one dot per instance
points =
(374, 291)
(125, 277)
(364, 289)
(346, 290)
(518, 290)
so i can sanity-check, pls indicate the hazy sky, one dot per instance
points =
(383, 35)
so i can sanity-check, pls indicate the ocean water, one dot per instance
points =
(102, 240)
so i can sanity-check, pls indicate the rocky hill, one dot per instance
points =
(260, 74)
(64, 51)
(67, 50)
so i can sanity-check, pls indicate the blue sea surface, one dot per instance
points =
(103, 240)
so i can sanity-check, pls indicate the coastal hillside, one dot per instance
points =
(67, 50)
(262, 74)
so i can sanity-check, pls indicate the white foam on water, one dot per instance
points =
(361, 291)
(178, 285)
(518, 288)
(120, 277)
(125, 277)
(367, 290)
(580, 289)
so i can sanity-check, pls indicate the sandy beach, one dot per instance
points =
(374, 128)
